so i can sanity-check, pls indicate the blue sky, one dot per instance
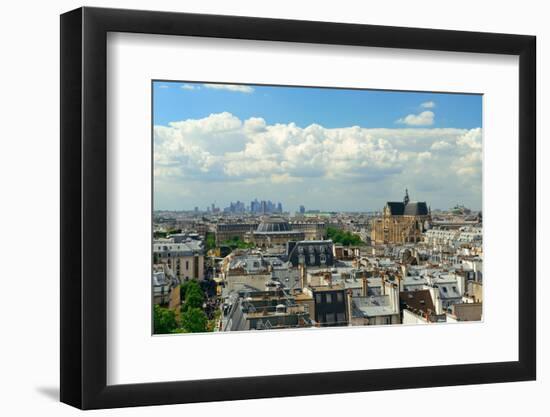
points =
(328, 149)
(329, 107)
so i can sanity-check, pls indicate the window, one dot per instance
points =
(186, 264)
(340, 297)
(312, 259)
(328, 298)
(330, 318)
(341, 318)
(323, 258)
(318, 298)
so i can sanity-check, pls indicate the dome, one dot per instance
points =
(273, 224)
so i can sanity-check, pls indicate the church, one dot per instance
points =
(401, 222)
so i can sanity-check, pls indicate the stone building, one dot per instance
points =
(185, 259)
(313, 230)
(310, 253)
(229, 231)
(401, 222)
(274, 231)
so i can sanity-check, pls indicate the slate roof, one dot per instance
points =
(413, 208)
(397, 208)
(416, 209)
(416, 300)
(273, 225)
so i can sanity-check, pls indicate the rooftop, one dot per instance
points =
(273, 224)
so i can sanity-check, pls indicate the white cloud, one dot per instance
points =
(231, 87)
(441, 146)
(223, 157)
(468, 165)
(428, 105)
(222, 148)
(163, 86)
(189, 87)
(426, 118)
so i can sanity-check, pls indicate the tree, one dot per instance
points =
(191, 295)
(210, 241)
(342, 237)
(237, 243)
(164, 320)
(194, 320)
(194, 298)
(187, 286)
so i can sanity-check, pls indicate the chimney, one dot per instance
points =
(328, 278)
(394, 297)
(348, 305)
(400, 282)
(303, 275)
(365, 288)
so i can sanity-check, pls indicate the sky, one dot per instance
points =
(325, 148)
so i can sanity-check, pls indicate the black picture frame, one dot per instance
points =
(84, 207)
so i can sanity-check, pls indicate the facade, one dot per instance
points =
(185, 260)
(313, 230)
(311, 253)
(453, 237)
(401, 222)
(376, 310)
(228, 231)
(465, 312)
(330, 305)
(263, 310)
(161, 287)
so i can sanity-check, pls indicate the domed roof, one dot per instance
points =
(273, 224)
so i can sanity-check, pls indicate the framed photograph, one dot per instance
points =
(257, 208)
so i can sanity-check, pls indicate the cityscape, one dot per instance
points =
(249, 234)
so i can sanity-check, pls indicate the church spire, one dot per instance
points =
(406, 198)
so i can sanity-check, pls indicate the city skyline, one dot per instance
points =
(247, 207)
(326, 149)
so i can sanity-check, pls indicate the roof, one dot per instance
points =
(273, 224)
(160, 279)
(372, 306)
(413, 208)
(417, 300)
(184, 248)
(397, 208)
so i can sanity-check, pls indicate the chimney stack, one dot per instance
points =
(303, 275)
